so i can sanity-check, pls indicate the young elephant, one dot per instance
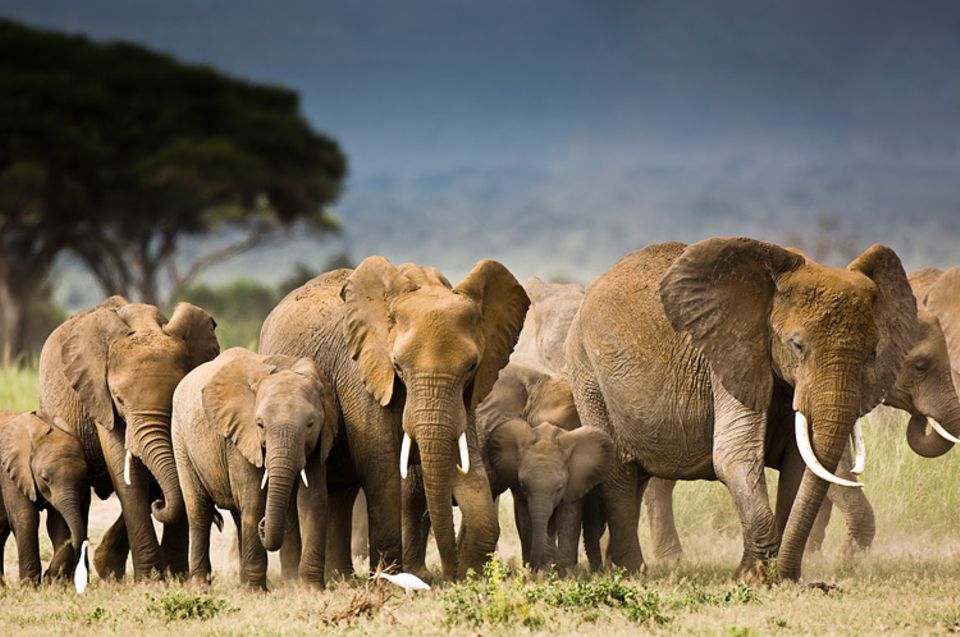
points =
(549, 470)
(43, 468)
(235, 415)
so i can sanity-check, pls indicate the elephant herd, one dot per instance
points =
(708, 361)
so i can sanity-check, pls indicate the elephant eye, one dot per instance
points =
(921, 364)
(260, 422)
(396, 368)
(311, 423)
(795, 346)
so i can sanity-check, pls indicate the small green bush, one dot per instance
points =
(179, 605)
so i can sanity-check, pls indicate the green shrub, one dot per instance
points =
(179, 605)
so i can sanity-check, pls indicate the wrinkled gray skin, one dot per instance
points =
(41, 467)
(408, 354)
(525, 427)
(109, 373)
(694, 358)
(924, 388)
(236, 417)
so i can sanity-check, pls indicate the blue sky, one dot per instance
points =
(557, 135)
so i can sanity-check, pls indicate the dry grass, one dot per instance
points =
(909, 583)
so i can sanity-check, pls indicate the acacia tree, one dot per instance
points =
(118, 153)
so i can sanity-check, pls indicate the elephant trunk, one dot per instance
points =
(156, 452)
(282, 475)
(69, 507)
(437, 461)
(942, 413)
(834, 406)
(540, 513)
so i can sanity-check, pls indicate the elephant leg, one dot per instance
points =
(622, 492)
(360, 537)
(312, 508)
(414, 533)
(738, 459)
(663, 529)
(819, 530)
(856, 509)
(135, 502)
(521, 516)
(253, 557)
(479, 527)
(593, 526)
(26, 527)
(200, 512)
(569, 521)
(110, 557)
(290, 550)
(175, 549)
(64, 557)
(4, 534)
(340, 508)
(378, 466)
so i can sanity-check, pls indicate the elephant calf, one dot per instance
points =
(238, 414)
(43, 468)
(533, 444)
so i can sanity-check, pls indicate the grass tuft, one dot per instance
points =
(172, 606)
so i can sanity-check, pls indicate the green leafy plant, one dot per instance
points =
(179, 606)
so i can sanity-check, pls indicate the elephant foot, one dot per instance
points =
(670, 557)
(851, 549)
(755, 571)
(109, 565)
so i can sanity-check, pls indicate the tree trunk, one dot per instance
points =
(13, 307)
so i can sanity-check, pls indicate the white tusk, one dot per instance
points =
(81, 575)
(859, 450)
(405, 454)
(464, 466)
(126, 467)
(810, 458)
(303, 476)
(263, 483)
(946, 435)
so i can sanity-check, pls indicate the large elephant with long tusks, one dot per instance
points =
(410, 357)
(713, 360)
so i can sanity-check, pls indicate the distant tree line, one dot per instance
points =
(116, 154)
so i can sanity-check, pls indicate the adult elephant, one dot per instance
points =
(713, 360)
(109, 373)
(410, 357)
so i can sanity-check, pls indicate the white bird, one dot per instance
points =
(81, 574)
(408, 581)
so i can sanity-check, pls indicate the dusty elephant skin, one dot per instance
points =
(42, 468)
(410, 357)
(925, 388)
(246, 429)
(720, 357)
(110, 373)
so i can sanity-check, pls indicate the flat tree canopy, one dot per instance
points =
(118, 152)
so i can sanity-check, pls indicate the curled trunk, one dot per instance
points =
(930, 444)
(156, 452)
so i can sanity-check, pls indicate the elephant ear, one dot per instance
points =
(503, 307)
(943, 300)
(895, 314)
(590, 456)
(17, 440)
(921, 281)
(229, 403)
(367, 296)
(197, 329)
(327, 402)
(84, 355)
(502, 451)
(720, 292)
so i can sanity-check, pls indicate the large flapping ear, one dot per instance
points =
(368, 294)
(536, 289)
(229, 402)
(895, 314)
(84, 355)
(720, 292)
(943, 300)
(502, 451)
(17, 440)
(197, 329)
(503, 306)
(327, 405)
(921, 281)
(590, 457)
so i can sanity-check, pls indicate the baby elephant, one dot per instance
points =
(243, 421)
(549, 470)
(43, 468)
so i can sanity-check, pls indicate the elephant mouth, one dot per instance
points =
(802, 431)
(406, 446)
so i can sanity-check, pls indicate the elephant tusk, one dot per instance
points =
(946, 435)
(859, 450)
(810, 458)
(82, 575)
(263, 483)
(464, 466)
(405, 454)
(303, 476)
(126, 467)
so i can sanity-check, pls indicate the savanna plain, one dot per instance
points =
(909, 583)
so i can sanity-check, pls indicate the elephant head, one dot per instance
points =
(446, 346)
(552, 308)
(44, 461)
(548, 465)
(278, 413)
(768, 318)
(124, 360)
